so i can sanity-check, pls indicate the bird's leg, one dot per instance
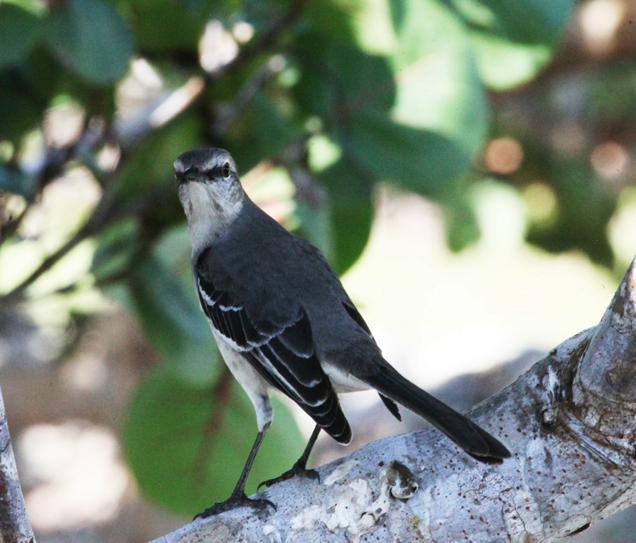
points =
(238, 497)
(300, 467)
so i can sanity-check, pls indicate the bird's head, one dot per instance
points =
(210, 192)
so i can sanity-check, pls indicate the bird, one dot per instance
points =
(282, 320)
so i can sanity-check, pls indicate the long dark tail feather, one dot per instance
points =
(476, 442)
(392, 407)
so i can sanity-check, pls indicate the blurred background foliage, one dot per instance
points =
(324, 104)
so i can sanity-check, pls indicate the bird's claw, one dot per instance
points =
(296, 471)
(234, 501)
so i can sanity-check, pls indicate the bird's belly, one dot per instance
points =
(343, 381)
(244, 373)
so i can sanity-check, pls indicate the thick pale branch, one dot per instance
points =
(570, 422)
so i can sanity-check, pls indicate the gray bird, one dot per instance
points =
(282, 320)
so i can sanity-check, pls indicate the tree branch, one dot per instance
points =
(569, 421)
(14, 524)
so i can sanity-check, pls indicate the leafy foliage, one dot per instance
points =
(90, 38)
(401, 89)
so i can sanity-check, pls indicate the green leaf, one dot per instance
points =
(315, 227)
(173, 320)
(419, 160)
(338, 79)
(503, 64)
(20, 30)
(349, 216)
(188, 445)
(513, 39)
(438, 84)
(90, 38)
(520, 21)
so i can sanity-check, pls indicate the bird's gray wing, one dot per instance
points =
(284, 354)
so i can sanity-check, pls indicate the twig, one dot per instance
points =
(103, 215)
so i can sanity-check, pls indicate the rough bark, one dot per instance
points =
(570, 422)
(14, 524)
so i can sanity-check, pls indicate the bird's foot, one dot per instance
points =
(299, 470)
(234, 501)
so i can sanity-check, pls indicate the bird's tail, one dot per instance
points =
(476, 442)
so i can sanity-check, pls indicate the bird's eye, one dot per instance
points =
(226, 170)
